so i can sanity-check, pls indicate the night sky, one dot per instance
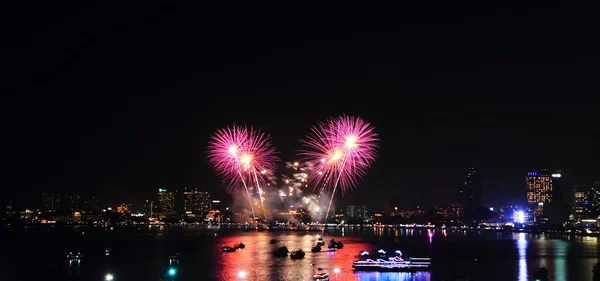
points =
(120, 101)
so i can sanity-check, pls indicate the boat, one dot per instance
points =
(334, 244)
(239, 246)
(281, 252)
(320, 276)
(297, 254)
(316, 249)
(74, 256)
(393, 263)
(228, 249)
(320, 241)
(273, 241)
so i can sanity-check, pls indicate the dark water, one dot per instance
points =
(142, 254)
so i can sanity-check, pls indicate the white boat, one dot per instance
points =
(395, 263)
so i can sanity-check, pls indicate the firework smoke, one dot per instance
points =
(342, 149)
(241, 156)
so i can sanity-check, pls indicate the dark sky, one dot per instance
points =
(120, 101)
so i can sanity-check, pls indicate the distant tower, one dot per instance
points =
(469, 192)
(51, 202)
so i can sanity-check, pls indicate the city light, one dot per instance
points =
(109, 277)
(519, 216)
(556, 175)
(172, 272)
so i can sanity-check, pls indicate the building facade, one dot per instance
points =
(586, 202)
(356, 212)
(469, 192)
(539, 187)
(50, 202)
(166, 202)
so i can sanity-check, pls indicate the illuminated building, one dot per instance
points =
(539, 187)
(51, 202)
(146, 207)
(123, 208)
(70, 202)
(166, 202)
(586, 202)
(447, 212)
(90, 204)
(469, 192)
(215, 205)
(513, 214)
(204, 204)
(557, 210)
(196, 203)
(355, 212)
(190, 201)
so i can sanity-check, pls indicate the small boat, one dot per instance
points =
(320, 241)
(239, 246)
(273, 241)
(316, 249)
(394, 262)
(297, 254)
(281, 252)
(334, 244)
(228, 249)
(320, 276)
(74, 256)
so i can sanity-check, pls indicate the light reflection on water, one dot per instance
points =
(522, 248)
(142, 255)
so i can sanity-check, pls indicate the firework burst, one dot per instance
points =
(241, 156)
(342, 149)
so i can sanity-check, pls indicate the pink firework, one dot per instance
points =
(342, 149)
(242, 156)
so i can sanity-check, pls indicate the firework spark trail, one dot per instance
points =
(260, 193)
(344, 147)
(247, 193)
(334, 188)
(237, 153)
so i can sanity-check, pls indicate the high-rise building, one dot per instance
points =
(50, 202)
(355, 212)
(539, 187)
(557, 210)
(387, 207)
(166, 202)
(70, 202)
(215, 205)
(146, 207)
(190, 201)
(469, 192)
(580, 202)
(586, 201)
(90, 204)
(196, 203)
(204, 204)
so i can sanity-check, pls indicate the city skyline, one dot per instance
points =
(471, 186)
